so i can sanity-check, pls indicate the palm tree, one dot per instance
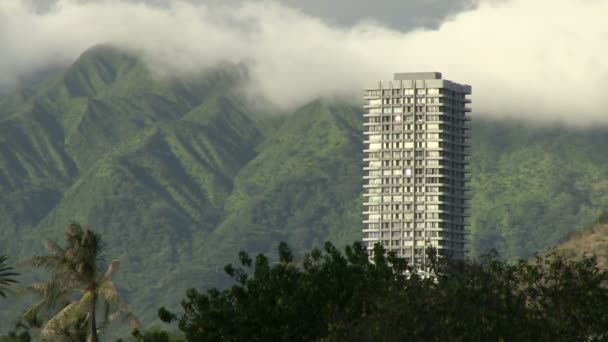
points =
(6, 274)
(76, 285)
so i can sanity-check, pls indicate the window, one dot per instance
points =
(432, 198)
(420, 91)
(373, 235)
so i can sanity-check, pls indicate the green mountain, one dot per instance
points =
(179, 174)
(533, 185)
(592, 240)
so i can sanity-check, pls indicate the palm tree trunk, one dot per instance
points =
(92, 325)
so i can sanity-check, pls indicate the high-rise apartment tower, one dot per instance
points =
(416, 132)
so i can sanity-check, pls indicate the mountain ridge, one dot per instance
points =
(179, 174)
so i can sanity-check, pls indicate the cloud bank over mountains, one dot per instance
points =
(536, 59)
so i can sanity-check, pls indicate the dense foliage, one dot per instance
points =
(180, 173)
(532, 186)
(7, 275)
(330, 296)
(77, 285)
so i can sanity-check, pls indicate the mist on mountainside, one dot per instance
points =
(522, 58)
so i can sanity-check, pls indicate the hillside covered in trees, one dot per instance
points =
(178, 175)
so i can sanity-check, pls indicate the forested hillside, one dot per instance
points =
(179, 174)
(591, 241)
(533, 185)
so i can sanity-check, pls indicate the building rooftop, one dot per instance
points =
(418, 76)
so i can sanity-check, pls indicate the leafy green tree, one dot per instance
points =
(76, 272)
(6, 275)
(334, 296)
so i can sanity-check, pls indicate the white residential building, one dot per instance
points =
(416, 131)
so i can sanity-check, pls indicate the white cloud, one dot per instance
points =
(536, 59)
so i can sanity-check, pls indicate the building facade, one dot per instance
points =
(416, 132)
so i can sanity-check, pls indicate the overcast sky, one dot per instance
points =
(536, 59)
(398, 14)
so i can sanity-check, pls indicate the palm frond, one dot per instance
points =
(127, 315)
(109, 292)
(48, 262)
(54, 293)
(67, 317)
(112, 269)
(33, 311)
(106, 317)
(53, 247)
(6, 275)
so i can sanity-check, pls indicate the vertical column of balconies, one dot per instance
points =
(372, 167)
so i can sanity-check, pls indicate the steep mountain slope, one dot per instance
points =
(178, 175)
(591, 241)
(533, 185)
(302, 188)
(147, 161)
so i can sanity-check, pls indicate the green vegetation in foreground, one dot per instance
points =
(181, 173)
(7, 276)
(333, 296)
(77, 290)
